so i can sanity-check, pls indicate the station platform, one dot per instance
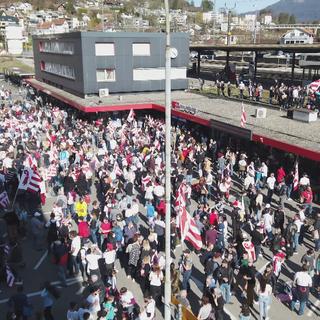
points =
(276, 130)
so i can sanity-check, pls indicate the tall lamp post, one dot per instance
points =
(167, 286)
(229, 22)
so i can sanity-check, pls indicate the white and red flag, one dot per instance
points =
(52, 171)
(30, 162)
(131, 116)
(30, 180)
(296, 176)
(243, 117)
(188, 227)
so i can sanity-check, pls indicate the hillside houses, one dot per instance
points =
(53, 27)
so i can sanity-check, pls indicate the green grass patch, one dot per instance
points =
(11, 62)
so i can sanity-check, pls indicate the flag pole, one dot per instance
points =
(167, 286)
(15, 197)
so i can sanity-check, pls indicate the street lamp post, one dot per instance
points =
(167, 287)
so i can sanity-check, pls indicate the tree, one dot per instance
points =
(292, 19)
(206, 5)
(283, 18)
(177, 4)
(70, 7)
(198, 19)
(94, 22)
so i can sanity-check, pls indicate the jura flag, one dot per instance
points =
(131, 116)
(243, 117)
(296, 177)
(188, 227)
(24, 179)
(30, 180)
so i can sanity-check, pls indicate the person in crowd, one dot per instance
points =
(186, 265)
(48, 295)
(264, 293)
(303, 282)
(205, 309)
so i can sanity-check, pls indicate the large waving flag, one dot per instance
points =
(30, 180)
(188, 228)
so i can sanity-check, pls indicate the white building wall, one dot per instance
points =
(15, 46)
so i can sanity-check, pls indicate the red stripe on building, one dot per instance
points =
(303, 152)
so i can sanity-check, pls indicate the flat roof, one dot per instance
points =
(102, 34)
(298, 48)
(275, 130)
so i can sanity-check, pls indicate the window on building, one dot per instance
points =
(154, 74)
(104, 49)
(141, 49)
(106, 75)
(42, 65)
(57, 47)
(58, 69)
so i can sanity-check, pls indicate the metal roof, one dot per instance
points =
(301, 48)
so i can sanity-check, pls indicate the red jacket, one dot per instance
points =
(84, 231)
(307, 196)
(280, 174)
(213, 218)
(161, 208)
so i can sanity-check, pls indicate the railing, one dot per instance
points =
(291, 26)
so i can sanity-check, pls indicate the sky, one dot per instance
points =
(242, 5)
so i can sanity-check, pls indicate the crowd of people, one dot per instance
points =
(281, 94)
(107, 180)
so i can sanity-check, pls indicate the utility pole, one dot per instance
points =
(228, 10)
(228, 32)
(167, 285)
(214, 17)
(102, 15)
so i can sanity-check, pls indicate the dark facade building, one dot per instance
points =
(85, 63)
